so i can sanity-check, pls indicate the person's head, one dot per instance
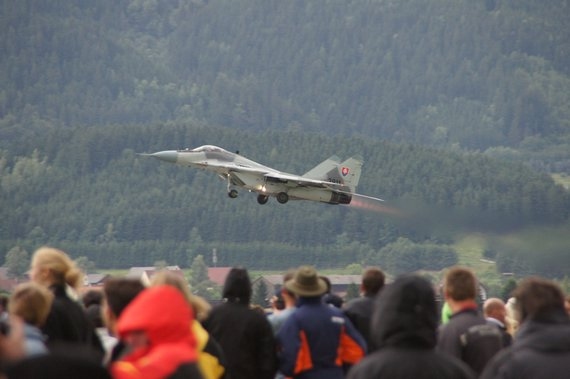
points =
(512, 316)
(373, 280)
(51, 266)
(460, 284)
(92, 301)
(327, 282)
(277, 302)
(307, 283)
(118, 293)
(200, 306)
(92, 297)
(237, 287)
(495, 308)
(537, 298)
(31, 302)
(405, 314)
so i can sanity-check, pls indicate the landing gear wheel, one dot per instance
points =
(262, 199)
(282, 197)
(233, 194)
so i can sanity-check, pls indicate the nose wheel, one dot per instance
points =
(262, 199)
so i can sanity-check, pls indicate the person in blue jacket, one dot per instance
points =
(316, 341)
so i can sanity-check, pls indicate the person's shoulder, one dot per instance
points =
(355, 302)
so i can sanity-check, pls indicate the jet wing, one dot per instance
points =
(300, 181)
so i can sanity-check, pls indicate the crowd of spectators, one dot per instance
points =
(394, 330)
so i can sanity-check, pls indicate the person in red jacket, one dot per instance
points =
(155, 327)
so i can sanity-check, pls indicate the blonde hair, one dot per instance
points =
(200, 306)
(61, 268)
(31, 302)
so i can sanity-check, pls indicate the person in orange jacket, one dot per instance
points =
(155, 327)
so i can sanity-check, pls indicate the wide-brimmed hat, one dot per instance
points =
(306, 282)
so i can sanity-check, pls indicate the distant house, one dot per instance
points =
(339, 283)
(95, 280)
(145, 274)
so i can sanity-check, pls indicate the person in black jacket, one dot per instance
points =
(359, 311)
(467, 336)
(67, 321)
(541, 348)
(244, 334)
(404, 326)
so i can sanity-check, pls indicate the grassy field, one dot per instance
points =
(470, 250)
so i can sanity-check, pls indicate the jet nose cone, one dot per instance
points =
(167, 156)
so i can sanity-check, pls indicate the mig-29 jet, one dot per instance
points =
(332, 181)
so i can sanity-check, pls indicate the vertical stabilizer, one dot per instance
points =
(349, 172)
(321, 171)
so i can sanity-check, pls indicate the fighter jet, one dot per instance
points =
(332, 181)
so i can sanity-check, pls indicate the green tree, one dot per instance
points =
(85, 265)
(17, 262)
(353, 269)
(160, 265)
(198, 271)
(208, 290)
(259, 296)
(508, 288)
(195, 244)
(352, 292)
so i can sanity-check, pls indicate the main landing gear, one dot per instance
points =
(282, 197)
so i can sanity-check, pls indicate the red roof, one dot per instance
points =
(218, 274)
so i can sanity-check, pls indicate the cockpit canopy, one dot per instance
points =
(206, 149)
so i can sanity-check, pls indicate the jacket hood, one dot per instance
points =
(406, 314)
(161, 312)
(237, 287)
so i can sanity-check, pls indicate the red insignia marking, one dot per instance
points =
(344, 171)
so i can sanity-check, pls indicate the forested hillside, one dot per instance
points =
(460, 108)
(489, 75)
(85, 189)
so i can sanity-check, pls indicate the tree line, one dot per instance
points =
(87, 191)
(478, 75)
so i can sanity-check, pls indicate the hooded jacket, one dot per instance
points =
(541, 349)
(403, 329)
(163, 314)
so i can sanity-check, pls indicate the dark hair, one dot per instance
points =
(537, 297)
(373, 280)
(237, 287)
(92, 297)
(93, 313)
(119, 292)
